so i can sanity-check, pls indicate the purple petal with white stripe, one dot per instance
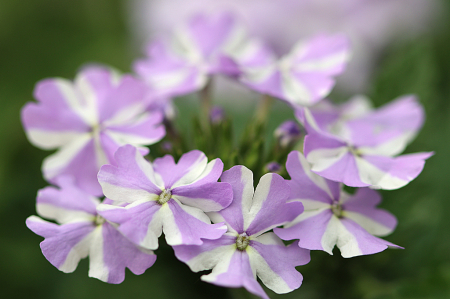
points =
(275, 263)
(64, 245)
(66, 204)
(305, 184)
(241, 180)
(132, 179)
(140, 221)
(112, 253)
(347, 221)
(185, 225)
(305, 75)
(268, 207)
(361, 208)
(235, 271)
(190, 166)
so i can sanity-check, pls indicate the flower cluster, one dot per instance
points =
(215, 220)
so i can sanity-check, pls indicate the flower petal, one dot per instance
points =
(66, 204)
(241, 180)
(275, 263)
(184, 225)
(361, 208)
(207, 197)
(64, 245)
(140, 221)
(234, 270)
(133, 179)
(268, 207)
(188, 169)
(110, 253)
(305, 184)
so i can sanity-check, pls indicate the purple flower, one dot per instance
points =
(370, 24)
(247, 249)
(87, 120)
(287, 133)
(84, 233)
(305, 75)
(334, 217)
(358, 146)
(164, 196)
(197, 50)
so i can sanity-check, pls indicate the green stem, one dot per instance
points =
(205, 103)
(263, 109)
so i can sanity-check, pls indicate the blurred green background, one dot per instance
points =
(48, 38)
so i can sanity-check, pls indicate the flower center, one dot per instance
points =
(242, 241)
(336, 208)
(164, 197)
(99, 220)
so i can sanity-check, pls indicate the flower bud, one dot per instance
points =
(288, 133)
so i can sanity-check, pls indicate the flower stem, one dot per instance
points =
(263, 109)
(205, 102)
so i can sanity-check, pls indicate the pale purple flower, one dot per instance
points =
(332, 217)
(84, 233)
(195, 51)
(302, 77)
(370, 24)
(87, 120)
(359, 147)
(247, 249)
(164, 196)
(287, 133)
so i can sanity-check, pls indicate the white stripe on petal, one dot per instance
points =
(337, 234)
(294, 90)
(312, 208)
(90, 114)
(62, 215)
(323, 64)
(222, 266)
(53, 164)
(210, 259)
(125, 115)
(389, 148)
(316, 179)
(370, 225)
(74, 99)
(324, 158)
(122, 194)
(170, 228)
(216, 217)
(259, 197)
(369, 173)
(195, 169)
(97, 266)
(271, 279)
(79, 251)
(51, 139)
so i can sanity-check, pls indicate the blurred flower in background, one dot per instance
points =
(370, 24)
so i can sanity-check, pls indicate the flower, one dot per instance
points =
(372, 25)
(87, 120)
(247, 249)
(305, 75)
(164, 196)
(358, 146)
(332, 216)
(84, 233)
(197, 50)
